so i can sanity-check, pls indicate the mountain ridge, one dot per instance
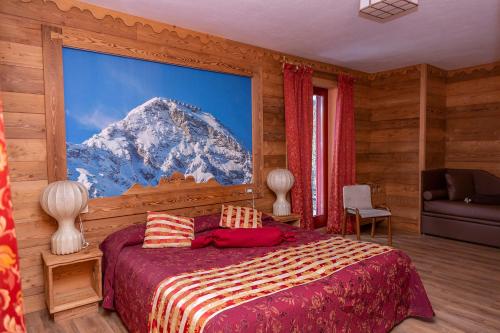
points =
(154, 140)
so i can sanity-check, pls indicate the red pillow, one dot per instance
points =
(243, 237)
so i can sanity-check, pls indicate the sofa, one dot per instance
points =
(461, 204)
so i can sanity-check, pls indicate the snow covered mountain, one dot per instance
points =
(154, 140)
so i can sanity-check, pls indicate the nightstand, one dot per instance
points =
(73, 282)
(292, 219)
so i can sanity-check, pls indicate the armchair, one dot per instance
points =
(358, 202)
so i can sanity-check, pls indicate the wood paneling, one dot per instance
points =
(21, 79)
(54, 104)
(26, 194)
(26, 150)
(473, 118)
(27, 170)
(24, 125)
(432, 122)
(389, 152)
(363, 127)
(20, 102)
(422, 132)
(422, 117)
(149, 51)
(20, 30)
(17, 54)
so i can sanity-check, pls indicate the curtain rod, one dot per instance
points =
(284, 60)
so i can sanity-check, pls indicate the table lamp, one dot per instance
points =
(64, 200)
(280, 181)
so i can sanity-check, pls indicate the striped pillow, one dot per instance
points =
(165, 230)
(240, 217)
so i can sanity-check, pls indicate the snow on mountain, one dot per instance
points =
(154, 140)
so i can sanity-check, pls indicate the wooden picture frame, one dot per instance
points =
(168, 195)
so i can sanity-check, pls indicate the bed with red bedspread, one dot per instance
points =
(342, 286)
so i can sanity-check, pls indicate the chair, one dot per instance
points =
(358, 202)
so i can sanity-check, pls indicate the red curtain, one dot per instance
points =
(11, 302)
(298, 90)
(344, 154)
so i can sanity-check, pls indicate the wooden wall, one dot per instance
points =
(391, 149)
(363, 127)
(423, 117)
(22, 92)
(435, 118)
(473, 118)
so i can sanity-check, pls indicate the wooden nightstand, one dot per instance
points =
(292, 219)
(73, 282)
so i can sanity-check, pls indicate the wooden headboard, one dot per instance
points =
(176, 194)
(173, 183)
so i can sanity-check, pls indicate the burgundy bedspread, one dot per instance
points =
(370, 296)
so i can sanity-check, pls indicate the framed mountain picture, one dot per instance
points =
(131, 121)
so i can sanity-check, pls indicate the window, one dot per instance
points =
(319, 176)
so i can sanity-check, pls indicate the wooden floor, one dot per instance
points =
(461, 279)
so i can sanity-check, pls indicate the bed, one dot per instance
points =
(349, 286)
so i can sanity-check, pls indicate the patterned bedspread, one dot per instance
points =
(317, 284)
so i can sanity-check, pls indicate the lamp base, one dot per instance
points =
(281, 208)
(67, 239)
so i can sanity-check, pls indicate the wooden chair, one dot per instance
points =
(358, 202)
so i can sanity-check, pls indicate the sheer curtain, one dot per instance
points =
(344, 154)
(298, 93)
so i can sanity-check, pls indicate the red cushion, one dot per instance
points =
(243, 237)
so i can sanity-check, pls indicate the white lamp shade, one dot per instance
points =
(280, 181)
(64, 200)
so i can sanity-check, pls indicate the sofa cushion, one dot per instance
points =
(435, 194)
(462, 209)
(460, 185)
(484, 199)
(486, 183)
(433, 179)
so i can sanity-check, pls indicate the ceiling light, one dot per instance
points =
(386, 9)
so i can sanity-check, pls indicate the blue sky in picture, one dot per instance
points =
(100, 89)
